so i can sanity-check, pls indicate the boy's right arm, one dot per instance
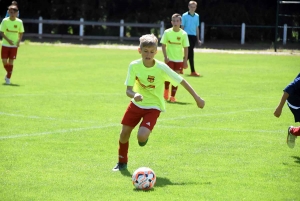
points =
(7, 39)
(164, 50)
(130, 93)
(278, 109)
(200, 102)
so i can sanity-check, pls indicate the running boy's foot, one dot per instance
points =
(7, 80)
(120, 167)
(172, 99)
(290, 139)
(143, 143)
(166, 94)
(195, 74)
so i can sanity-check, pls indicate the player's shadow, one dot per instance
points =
(126, 173)
(297, 159)
(11, 85)
(162, 182)
(179, 103)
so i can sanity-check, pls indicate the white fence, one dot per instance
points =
(81, 23)
(122, 36)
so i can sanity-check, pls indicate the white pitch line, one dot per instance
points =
(167, 119)
(64, 95)
(58, 131)
(214, 114)
(112, 125)
(224, 129)
(45, 118)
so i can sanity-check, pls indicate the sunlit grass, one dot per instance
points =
(60, 122)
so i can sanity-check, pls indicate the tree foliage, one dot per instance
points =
(212, 12)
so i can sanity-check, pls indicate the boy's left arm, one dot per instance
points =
(20, 39)
(200, 102)
(185, 58)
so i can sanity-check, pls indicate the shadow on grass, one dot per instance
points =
(11, 85)
(162, 182)
(126, 173)
(297, 159)
(179, 103)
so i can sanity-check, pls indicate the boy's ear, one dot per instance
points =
(139, 49)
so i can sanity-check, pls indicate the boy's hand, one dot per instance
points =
(10, 42)
(138, 97)
(199, 42)
(167, 60)
(200, 102)
(277, 112)
(185, 65)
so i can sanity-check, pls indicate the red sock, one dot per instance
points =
(174, 90)
(167, 85)
(295, 131)
(9, 70)
(123, 152)
(6, 67)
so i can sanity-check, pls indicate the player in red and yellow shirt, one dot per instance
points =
(175, 45)
(11, 30)
(145, 85)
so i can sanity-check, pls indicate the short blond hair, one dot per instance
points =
(176, 15)
(193, 2)
(148, 40)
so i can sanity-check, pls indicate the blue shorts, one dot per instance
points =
(296, 114)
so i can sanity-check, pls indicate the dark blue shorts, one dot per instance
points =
(296, 114)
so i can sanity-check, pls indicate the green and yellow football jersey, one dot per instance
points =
(149, 82)
(175, 42)
(11, 30)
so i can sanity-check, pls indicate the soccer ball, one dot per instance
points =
(144, 178)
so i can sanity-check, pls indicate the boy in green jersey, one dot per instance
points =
(175, 45)
(145, 86)
(11, 30)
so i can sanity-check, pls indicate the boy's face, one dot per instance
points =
(176, 22)
(148, 53)
(13, 11)
(192, 8)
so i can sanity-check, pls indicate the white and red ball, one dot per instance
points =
(144, 178)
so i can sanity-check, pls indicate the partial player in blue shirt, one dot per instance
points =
(291, 95)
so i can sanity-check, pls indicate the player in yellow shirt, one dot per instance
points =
(175, 43)
(11, 30)
(145, 85)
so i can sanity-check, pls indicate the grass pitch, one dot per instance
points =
(60, 123)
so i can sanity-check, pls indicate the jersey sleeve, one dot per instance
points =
(185, 41)
(130, 79)
(163, 38)
(170, 75)
(21, 30)
(2, 26)
(293, 86)
(183, 20)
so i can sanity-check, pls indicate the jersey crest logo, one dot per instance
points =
(151, 78)
(15, 26)
(178, 38)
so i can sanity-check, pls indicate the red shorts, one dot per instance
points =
(134, 114)
(9, 52)
(175, 66)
